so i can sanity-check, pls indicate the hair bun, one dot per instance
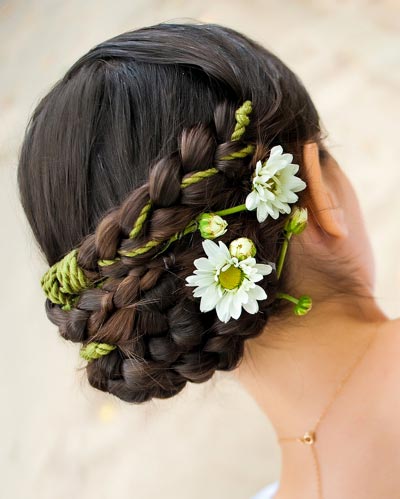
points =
(148, 131)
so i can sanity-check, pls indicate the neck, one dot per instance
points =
(293, 369)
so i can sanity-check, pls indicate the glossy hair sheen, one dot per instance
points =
(127, 121)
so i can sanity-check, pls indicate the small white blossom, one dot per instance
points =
(274, 185)
(242, 248)
(227, 284)
(212, 226)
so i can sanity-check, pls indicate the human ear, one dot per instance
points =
(322, 199)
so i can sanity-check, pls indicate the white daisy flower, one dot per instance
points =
(227, 284)
(274, 185)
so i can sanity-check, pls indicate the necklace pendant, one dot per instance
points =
(308, 438)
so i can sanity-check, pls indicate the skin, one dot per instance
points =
(294, 367)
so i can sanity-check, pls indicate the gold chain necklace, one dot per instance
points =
(310, 437)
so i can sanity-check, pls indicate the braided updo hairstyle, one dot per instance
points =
(116, 137)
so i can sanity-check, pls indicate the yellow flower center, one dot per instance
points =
(231, 277)
(273, 183)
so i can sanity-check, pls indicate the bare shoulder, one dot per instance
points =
(386, 408)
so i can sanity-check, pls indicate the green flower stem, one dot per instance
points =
(194, 224)
(230, 211)
(287, 297)
(302, 305)
(191, 227)
(282, 255)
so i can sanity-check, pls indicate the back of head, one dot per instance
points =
(103, 168)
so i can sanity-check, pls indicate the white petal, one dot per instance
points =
(269, 195)
(241, 295)
(191, 280)
(277, 165)
(214, 252)
(224, 250)
(251, 201)
(299, 186)
(262, 212)
(251, 306)
(291, 197)
(274, 213)
(247, 261)
(270, 210)
(205, 273)
(257, 293)
(258, 166)
(210, 248)
(275, 151)
(282, 207)
(223, 309)
(236, 307)
(203, 264)
(202, 280)
(199, 292)
(287, 157)
(278, 203)
(290, 170)
(262, 268)
(210, 299)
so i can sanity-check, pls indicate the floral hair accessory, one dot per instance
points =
(227, 283)
(297, 222)
(302, 305)
(211, 225)
(226, 279)
(274, 185)
(242, 248)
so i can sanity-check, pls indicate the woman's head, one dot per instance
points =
(117, 134)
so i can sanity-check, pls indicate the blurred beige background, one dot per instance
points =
(61, 439)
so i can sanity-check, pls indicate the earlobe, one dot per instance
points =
(322, 199)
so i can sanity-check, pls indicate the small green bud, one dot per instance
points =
(297, 222)
(212, 226)
(303, 306)
(242, 248)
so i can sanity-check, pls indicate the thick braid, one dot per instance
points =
(65, 279)
(242, 121)
(190, 180)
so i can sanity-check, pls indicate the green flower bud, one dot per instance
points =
(242, 248)
(212, 226)
(297, 222)
(303, 306)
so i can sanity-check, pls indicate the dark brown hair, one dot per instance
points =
(127, 121)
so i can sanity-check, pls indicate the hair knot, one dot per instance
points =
(64, 281)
